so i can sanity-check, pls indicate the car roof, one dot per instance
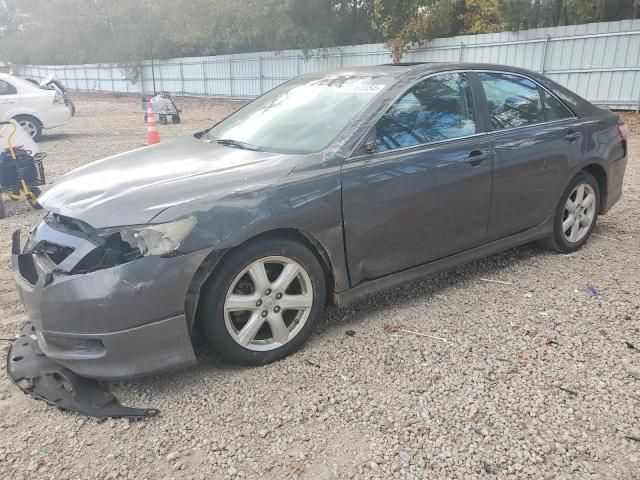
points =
(416, 69)
(17, 81)
(406, 73)
(7, 76)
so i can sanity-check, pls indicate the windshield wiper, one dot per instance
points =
(237, 143)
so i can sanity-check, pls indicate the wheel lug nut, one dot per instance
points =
(268, 292)
(265, 313)
(278, 296)
(258, 303)
(276, 309)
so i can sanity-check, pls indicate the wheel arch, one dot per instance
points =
(210, 264)
(600, 174)
(31, 115)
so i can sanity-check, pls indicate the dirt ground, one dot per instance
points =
(539, 376)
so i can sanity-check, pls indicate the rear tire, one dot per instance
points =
(163, 119)
(280, 313)
(576, 215)
(31, 125)
(3, 212)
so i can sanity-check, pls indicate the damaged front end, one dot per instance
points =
(103, 305)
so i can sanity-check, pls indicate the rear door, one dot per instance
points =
(9, 99)
(423, 190)
(535, 140)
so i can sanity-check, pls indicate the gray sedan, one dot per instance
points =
(328, 188)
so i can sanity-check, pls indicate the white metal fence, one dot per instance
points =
(599, 61)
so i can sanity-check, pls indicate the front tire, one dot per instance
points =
(576, 214)
(263, 301)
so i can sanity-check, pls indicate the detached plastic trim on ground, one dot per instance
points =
(37, 375)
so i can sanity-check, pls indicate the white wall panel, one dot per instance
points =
(600, 61)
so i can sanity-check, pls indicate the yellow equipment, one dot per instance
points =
(20, 172)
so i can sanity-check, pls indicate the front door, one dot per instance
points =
(424, 190)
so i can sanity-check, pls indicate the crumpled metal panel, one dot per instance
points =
(43, 379)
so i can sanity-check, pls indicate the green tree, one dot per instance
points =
(518, 14)
(479, 16)
(101, 31)
(406, 22)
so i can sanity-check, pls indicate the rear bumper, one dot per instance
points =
(56, 116)
(615, 180)
(111, 324)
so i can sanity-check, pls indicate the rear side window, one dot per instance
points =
(554, 109)
(7, 89)
(513, 100)
(435, 109)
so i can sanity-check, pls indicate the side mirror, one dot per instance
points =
(369, 145)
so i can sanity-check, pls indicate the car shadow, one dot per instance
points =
(356, 313)
(56, 137)
(210, 366)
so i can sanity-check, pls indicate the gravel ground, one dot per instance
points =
(534, 380)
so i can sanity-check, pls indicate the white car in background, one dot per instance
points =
(32, 107)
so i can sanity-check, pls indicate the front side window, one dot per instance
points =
(301, 116)
(436, 109)
(7, 89)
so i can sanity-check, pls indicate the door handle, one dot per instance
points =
(571, 136)
(476, 157)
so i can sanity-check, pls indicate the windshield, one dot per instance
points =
(302, 116)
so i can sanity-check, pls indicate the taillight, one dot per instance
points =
(58, 98)
(623, 129)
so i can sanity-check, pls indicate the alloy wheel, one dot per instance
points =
(268, 303)
(29, 127)
(579, 213)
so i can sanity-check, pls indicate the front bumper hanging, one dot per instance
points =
(38, 376)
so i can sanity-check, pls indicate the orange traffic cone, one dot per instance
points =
(153, 136)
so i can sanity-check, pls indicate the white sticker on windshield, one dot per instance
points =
(369, 88)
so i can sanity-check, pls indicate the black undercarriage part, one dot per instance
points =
(43, 379)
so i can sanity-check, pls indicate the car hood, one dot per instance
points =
(133, 187)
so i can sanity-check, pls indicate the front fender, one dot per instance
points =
(308, 203)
